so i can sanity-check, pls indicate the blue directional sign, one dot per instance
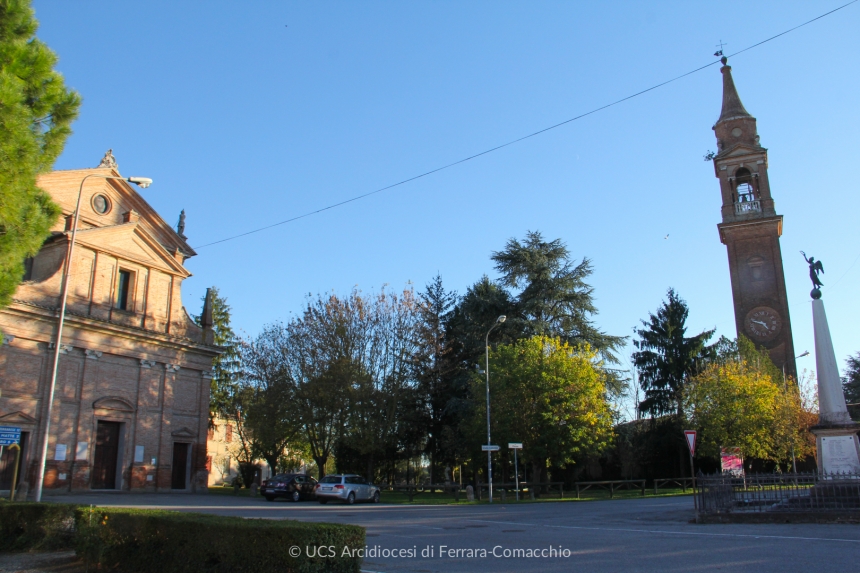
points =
(9, 435)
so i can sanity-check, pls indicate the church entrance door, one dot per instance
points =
(106, 455)
(180, 461)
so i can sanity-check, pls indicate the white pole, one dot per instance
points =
(64, 292)
(517, 474)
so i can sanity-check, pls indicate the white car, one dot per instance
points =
(348, 488)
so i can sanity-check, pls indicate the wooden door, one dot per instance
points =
(180, 461)
(105, 459)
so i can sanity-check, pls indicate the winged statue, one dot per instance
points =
(815, 267)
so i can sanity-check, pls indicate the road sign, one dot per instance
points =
(490, 448)
(9, 435)
(515, 446)
(690, 436)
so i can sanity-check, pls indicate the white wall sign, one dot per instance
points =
(138, 454)
(839, 454)
(60, 453)
(81, 452)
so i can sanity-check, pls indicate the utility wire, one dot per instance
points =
(519, 139)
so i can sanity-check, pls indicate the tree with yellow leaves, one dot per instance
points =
(550, 396)
(743, 400)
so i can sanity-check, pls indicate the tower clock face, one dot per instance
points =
(763, 323)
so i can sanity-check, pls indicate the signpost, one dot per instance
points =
(489, 448)
(690, 437)
(516, 446)
(11, 436)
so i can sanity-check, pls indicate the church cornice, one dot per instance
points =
(761, 221)
(180, 343)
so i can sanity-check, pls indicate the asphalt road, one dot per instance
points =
(652, 534)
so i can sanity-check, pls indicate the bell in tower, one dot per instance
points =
(750, 229)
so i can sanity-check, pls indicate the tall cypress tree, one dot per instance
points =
(36, 111)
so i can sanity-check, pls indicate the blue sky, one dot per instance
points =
(246, 114)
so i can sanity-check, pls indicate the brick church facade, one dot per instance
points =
(131, 402)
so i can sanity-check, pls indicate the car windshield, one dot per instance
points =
(330, 479)
(281, 477)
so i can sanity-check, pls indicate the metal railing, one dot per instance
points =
(743, 207)
(802, 492)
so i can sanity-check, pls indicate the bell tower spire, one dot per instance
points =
(750, 229)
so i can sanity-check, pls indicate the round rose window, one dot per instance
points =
(101, 204)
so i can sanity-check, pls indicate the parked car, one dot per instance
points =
(348, 488)
(294, 487)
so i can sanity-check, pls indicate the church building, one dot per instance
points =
(750, 229)
(131, 403)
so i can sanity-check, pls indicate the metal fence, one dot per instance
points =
(802, 492)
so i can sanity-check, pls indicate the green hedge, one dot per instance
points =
(36, 526)
(170, 542)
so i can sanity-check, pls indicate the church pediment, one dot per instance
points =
(184, 432)
(134, 243)
(17, 418)
(113, 403)
(107, 203)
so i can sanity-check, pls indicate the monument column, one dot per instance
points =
(835, 434)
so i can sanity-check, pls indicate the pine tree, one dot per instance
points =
(851, 380)
(225, 367)
(550, 293)
(667, 359)
(36, 111)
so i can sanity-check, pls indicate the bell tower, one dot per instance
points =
(750, 229)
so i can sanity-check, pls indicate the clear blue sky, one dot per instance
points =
(246, 114)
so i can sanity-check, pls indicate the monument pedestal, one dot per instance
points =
(838, 449)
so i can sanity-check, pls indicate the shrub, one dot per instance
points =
(36, 526)
(170, 542)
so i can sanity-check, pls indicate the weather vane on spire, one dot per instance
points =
(719, 52)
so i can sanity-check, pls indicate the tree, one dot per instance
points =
(667, 359)
(269, 412)
(851, 380)
(36, 111)
(550, 293)
(550, 396)
(434, 372)
(226, 366)
(350, 360)
(733, 404)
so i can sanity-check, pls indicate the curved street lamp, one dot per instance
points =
(143, 183)
(499, 321)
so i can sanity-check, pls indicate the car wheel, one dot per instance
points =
(350, 499)
(323, 501)
(270, 498)
(376, 497)
(295, 496)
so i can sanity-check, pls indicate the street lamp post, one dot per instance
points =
(784, 383)
(499, 321)
(143, 183)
